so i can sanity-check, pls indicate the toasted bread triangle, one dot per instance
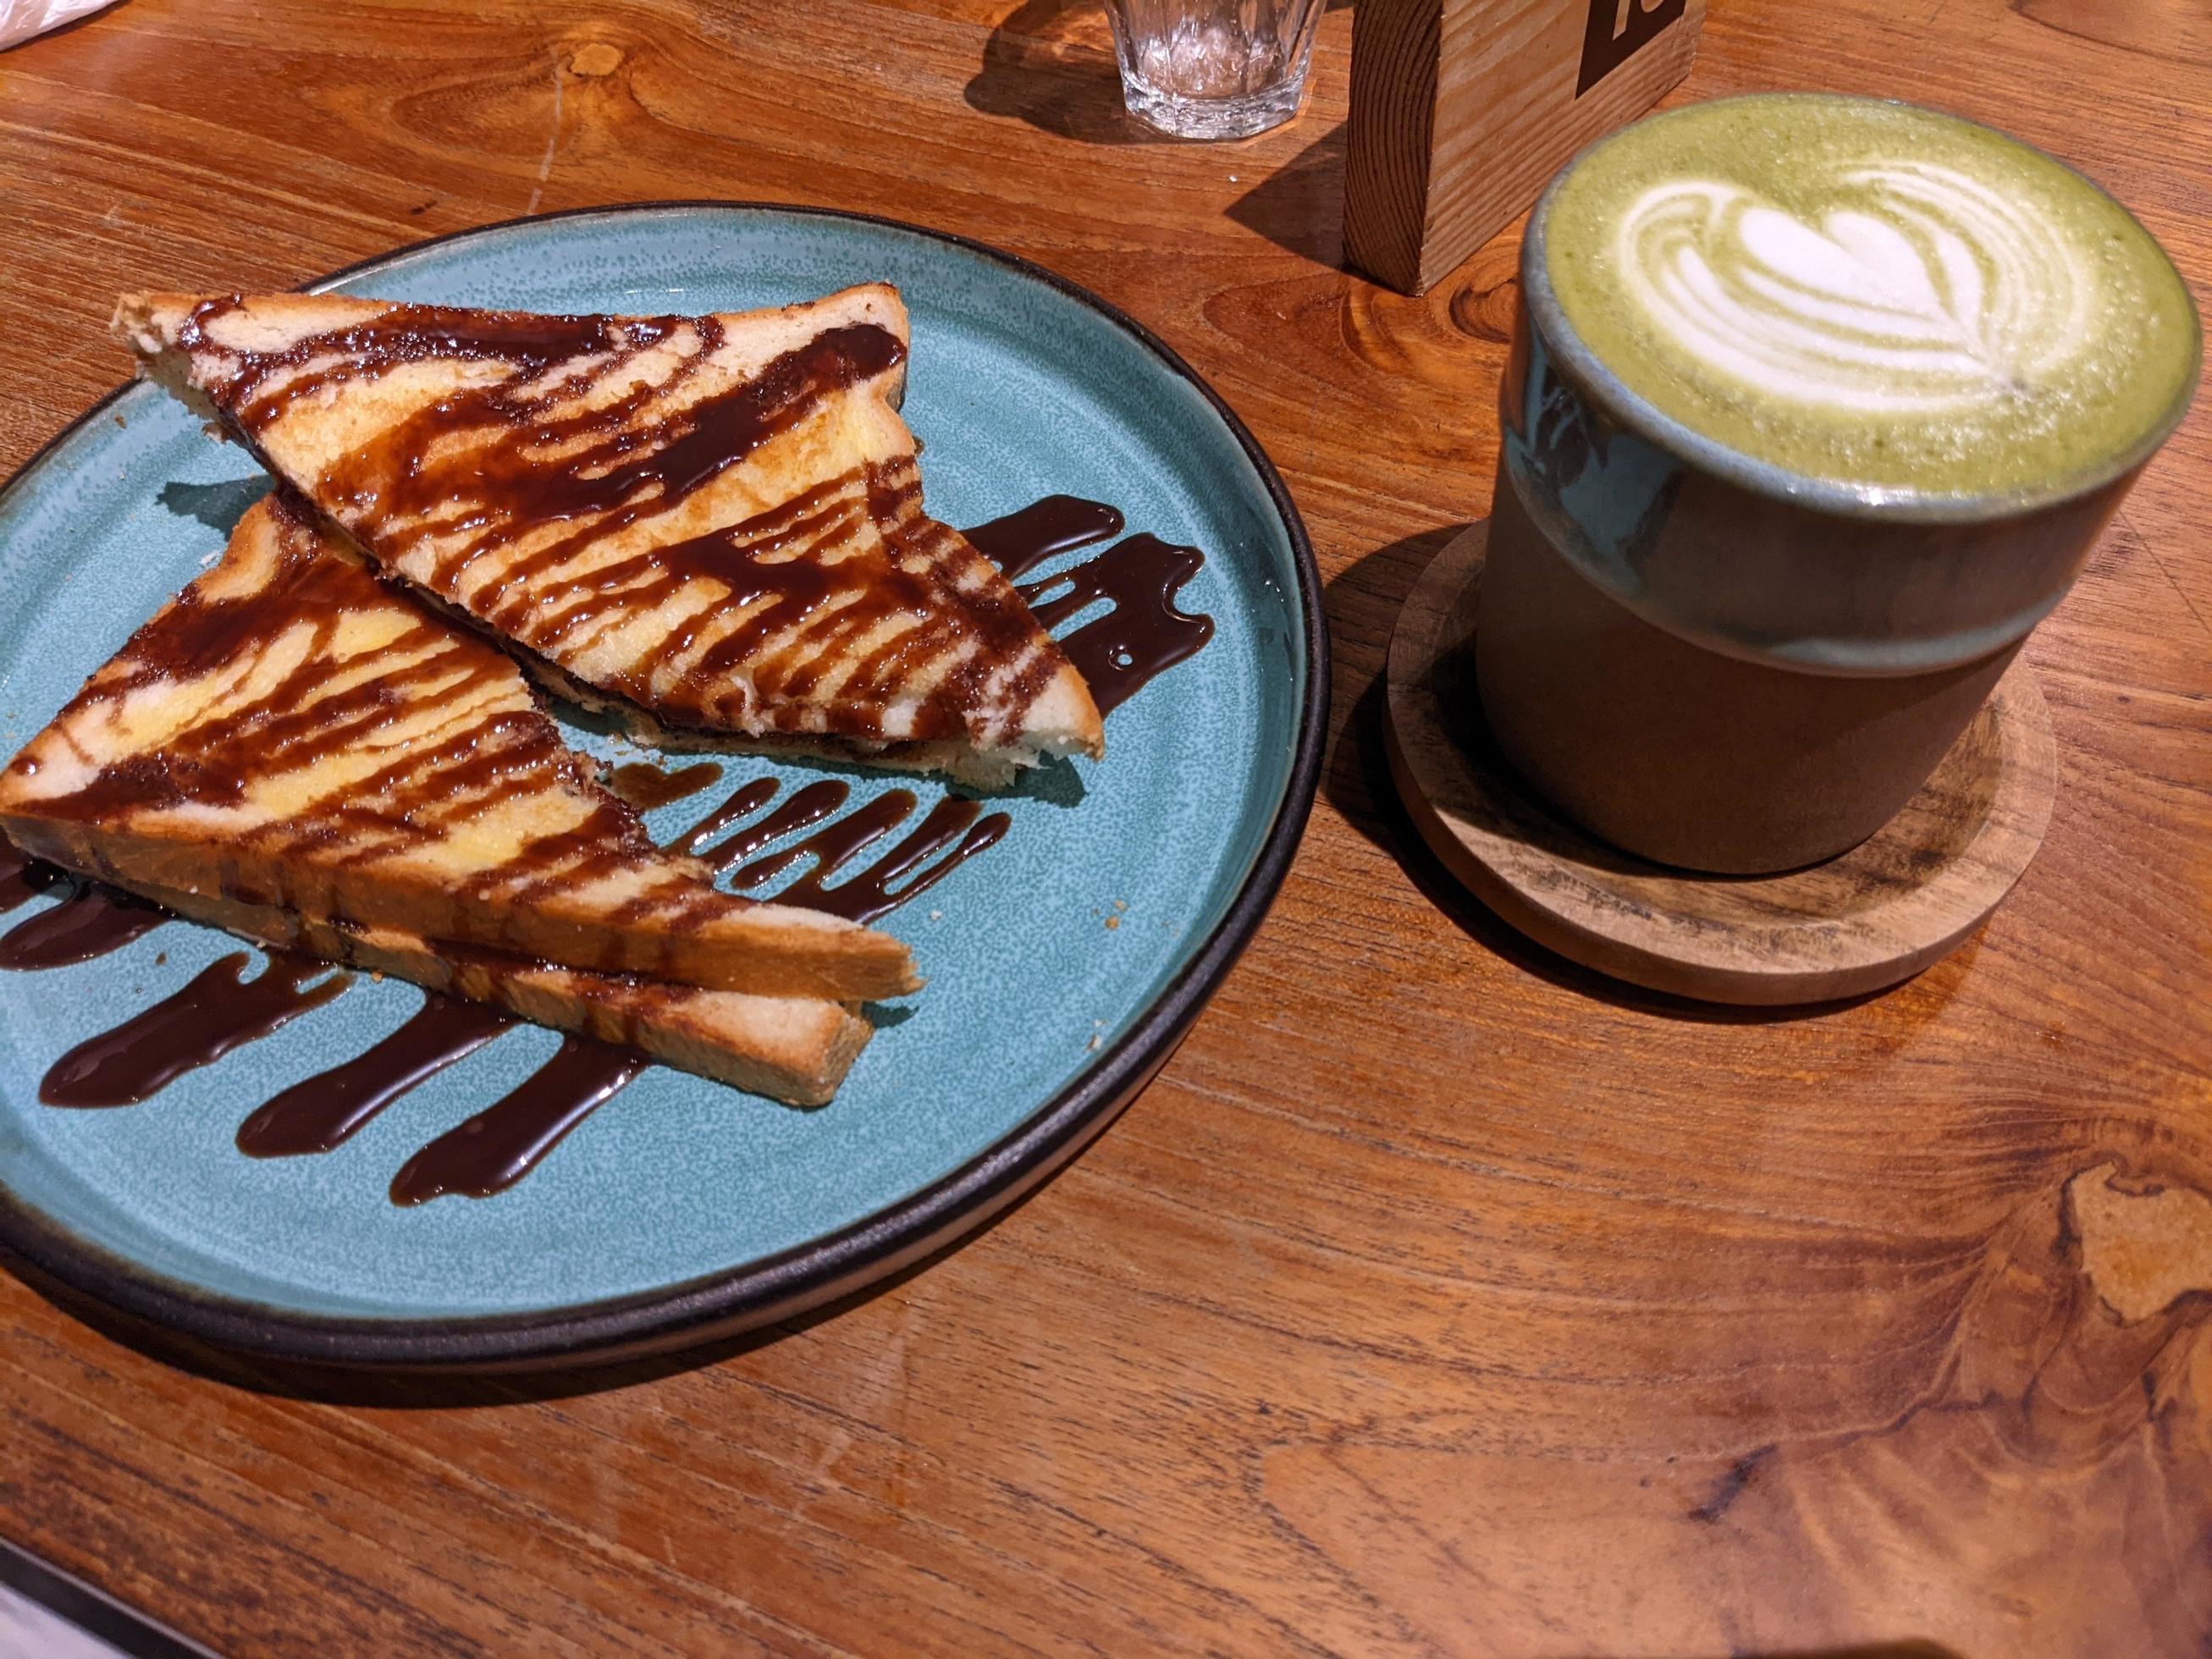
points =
(711, 526)
(289, 733)
(795, 1050)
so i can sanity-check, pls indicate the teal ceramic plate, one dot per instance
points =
(1064, 963)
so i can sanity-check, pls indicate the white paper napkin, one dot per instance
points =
(21, 18)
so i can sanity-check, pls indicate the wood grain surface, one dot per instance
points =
(1861, 921)
(1437, 1298)
(1460, 111)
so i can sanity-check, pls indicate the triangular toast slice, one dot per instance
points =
(711, 526)
(289, 731)
(795, 1050)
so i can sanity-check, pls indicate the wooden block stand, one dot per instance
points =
(1462, 110)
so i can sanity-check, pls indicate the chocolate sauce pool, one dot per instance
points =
(747, 836)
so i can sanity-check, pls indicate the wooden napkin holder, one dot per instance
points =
(1462, 110)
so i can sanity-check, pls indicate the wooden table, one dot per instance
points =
(1438, 1297)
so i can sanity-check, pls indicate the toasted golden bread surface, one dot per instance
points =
(289, 733)
(714, 521)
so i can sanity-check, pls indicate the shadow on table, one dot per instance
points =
(1050, 63)
(422, 1390)
(1299, 206)
(1363, 602)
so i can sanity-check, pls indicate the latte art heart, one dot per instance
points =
(1852, 289)
(1929, 292)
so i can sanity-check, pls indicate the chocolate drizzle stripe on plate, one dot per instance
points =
(1021, 541)
(1144, 635)
(20, 880)
(323, 1112)
(508, 1138)
(90, 922)
(865, 896)
(193, 1027)
(812, 804)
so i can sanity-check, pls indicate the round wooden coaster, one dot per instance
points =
(1864, 920)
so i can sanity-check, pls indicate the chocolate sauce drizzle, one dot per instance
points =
(22, 879)
(510, 1138)
(952, 823)
(324, 1112)
(648, 788)
(1018, 542)
(90, 922)
(504, 1142)
(217, 1012)
(862, 898)
(743, 804)
(1142, 636)
(815, 802)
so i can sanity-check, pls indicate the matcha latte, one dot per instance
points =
(1872, 294)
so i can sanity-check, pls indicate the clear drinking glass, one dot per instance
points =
(1213, 68)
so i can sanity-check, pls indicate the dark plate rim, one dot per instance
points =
(791, 1281)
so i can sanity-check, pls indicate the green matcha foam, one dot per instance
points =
(1871, 293)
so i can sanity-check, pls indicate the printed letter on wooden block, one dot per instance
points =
(1462, 109)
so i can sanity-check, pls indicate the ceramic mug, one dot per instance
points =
(1714, 662)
